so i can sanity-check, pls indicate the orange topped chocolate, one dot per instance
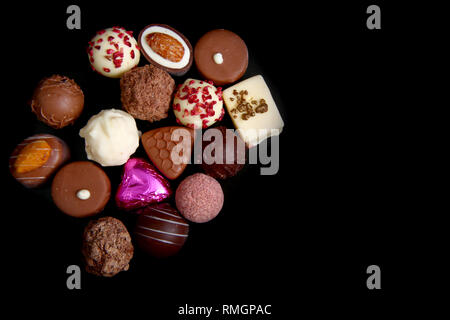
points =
(169, 148)
(35, 159)
(33, 156)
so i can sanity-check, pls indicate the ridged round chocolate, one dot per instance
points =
(57, 101)
(36, 158)
(160, 230)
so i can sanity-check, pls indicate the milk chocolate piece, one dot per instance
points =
(57, 101)
(221, 56)
(160, 230)
(36, 158)
(158, 144)
(166, 48)
(81, 189)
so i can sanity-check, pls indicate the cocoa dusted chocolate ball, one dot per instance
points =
(57, 101)
(107, 247)
(146, 92)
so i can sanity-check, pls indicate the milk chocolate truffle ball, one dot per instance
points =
(199, 198)
(57, 101)
(146, 92)
(107, 247)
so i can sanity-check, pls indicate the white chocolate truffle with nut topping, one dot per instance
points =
(113, 51)
(198, 104)
(111, 137)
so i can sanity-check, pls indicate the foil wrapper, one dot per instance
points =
(141, 185)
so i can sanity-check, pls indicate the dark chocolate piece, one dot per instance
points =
(160, 230)
(233, 155)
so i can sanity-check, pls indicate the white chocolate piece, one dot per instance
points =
(156, 57)
(83, 194)
(218, 58)
(198, 104)
(113, 51)
(261, 125)
(111, 137)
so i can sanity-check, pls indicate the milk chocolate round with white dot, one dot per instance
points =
(221, 56)
(166, 48)
(160, 230)
(113, 51)
(81, 189)
(36, 158)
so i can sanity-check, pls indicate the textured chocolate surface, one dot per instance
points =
(146, 92)
(107, 247)
(160, 230)
(158, 144)
(76, 176)
(58, 154)
(199, 198)
(57, 101)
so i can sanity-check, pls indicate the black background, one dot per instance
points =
(344, 197)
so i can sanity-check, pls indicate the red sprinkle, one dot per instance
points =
(110, 38)
(106, 70)
(132, 54)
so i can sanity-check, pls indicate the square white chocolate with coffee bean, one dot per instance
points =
(253, 110)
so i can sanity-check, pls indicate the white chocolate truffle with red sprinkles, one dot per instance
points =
(198, 104)
(113, 51)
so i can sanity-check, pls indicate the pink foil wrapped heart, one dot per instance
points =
(141, 185)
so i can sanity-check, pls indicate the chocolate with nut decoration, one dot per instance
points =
(166, 48)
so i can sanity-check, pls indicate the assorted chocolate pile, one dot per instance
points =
(81, 188)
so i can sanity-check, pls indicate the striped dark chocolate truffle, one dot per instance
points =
(160, 230)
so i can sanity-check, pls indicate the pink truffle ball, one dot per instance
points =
(199, 198)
